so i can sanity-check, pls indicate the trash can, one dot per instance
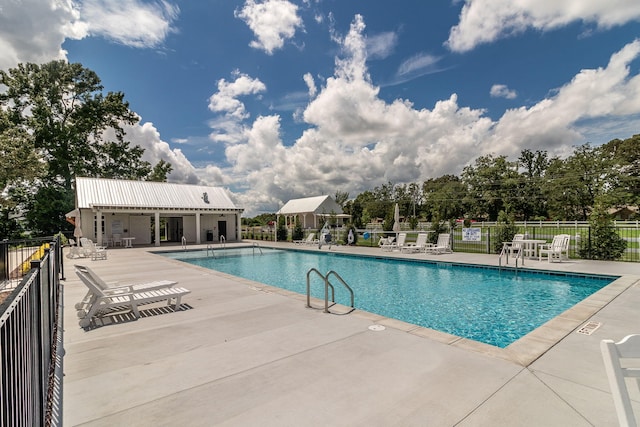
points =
(209, 235)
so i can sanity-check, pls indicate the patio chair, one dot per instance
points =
(115, 287)
(418, 246)
(117, 239)
(557, 249)
(92, 250)
(105, 302)
(613, 353)
(397, 245)
(442, 246)
(513, 248)
(386, 240)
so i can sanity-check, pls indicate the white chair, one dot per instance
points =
(442, 246)
(557, 249)
(617, 372)
(418, 246)
(397, 245)
(117, 239)
(116, 287)
(92, 250)
(104, 302)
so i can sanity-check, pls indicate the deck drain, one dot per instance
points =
(589, 328)
(376, 328)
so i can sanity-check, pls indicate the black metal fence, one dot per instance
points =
(31, 341)
(486, 235)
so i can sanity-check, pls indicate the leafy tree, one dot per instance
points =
(530, 202)
(341, 198)
(160, 171)
(604, 243)
(444, 197)
(491, 185)
(624, 157)
(59, 111)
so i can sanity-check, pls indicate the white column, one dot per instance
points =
(157, 227)
(238, 227)
(198, 238)
(99, 228)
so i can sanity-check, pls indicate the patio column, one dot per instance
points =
(157, 228)
(198, 238)
(238, 227)
(99, 228)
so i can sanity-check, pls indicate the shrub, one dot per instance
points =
(603, 242)
(505, 230)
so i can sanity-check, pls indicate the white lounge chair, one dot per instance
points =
(386, 241)
(117, 239)
(116, 287)
(92, 250)
(308, 241)
(442, 246)
(397, 245)
(418, 246)
(613, 353)
(557, 249)
(110, 301)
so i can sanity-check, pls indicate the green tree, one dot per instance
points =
(160, 171)
(59, 110)
(530, 202)
(281, 231)
(604, 243)
(491, 186)
(444, 197)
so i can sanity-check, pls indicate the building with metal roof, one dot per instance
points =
(312, 212)
(146, 212)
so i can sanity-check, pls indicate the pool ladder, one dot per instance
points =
(328, 285)
(505, 252)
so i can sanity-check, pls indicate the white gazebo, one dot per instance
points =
(146, 212)
(312, 212)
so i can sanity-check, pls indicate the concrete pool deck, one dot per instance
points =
(246, 354)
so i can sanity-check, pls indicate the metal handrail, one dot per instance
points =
(223, 240)
(326, 309)
(256, 245)
(211, 248)
(328, 285)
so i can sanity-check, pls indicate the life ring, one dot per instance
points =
(366, 235)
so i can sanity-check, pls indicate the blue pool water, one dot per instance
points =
(480, 303)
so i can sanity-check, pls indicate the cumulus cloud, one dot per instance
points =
(34, 30)
(502, 91)
(355, 140)
(483, 21)
(147, 137)
(273, 22)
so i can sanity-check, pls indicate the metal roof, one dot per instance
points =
(322, 205)
(100, 193)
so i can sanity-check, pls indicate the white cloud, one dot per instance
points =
(34, 30)
(226, 98)
(308, 79)
(502, 91)
(155, 149)
(272, 21)
(130, 22)
(355, 140)
(483, 21)
(381, 45)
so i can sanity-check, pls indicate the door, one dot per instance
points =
(222, 230)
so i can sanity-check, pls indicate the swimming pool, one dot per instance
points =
(484, 304)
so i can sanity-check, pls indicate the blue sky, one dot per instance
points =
(278, 99)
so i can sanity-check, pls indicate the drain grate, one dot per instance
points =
(589, 328)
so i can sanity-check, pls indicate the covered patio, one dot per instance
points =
(143, 213)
